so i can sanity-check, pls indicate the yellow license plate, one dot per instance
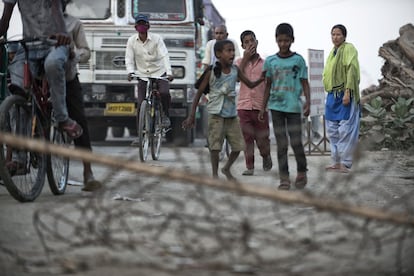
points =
(120, 109)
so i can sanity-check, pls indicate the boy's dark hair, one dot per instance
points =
(218, 47)
(285, 29)
(246, 33)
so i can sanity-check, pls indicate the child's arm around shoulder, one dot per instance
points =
(250, 84)
(266, 96)
(189, 121)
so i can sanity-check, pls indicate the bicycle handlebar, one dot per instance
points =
(138, 77)
(30, 42)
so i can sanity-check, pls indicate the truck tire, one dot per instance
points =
(177, 136)
(133, 131)
(118, 132)
(97, 133)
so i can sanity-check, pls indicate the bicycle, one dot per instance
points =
(28, 112)
(149, 122)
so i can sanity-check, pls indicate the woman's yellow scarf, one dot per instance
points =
(342, 70)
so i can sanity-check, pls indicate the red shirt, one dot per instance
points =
(251, 99)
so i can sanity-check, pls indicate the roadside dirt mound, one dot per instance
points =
(397, 71)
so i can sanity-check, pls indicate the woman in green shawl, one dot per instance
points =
(342, 109)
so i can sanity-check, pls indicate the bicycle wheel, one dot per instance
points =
(156, 137)
(26, 182)
(57, 166)
(144, 127)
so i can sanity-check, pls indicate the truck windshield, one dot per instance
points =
(91, 10)
(172, 10)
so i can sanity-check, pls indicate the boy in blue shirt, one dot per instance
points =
(286, 80)
(222, 119)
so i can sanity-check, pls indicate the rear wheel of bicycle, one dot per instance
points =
(57, 166)
(144, 128)
(156, 136)
(25, 183)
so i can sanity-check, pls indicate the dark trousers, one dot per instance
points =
(163, 88)
(254, 130)
(76, 111)
(288, 124)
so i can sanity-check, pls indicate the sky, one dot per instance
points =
(370, 23)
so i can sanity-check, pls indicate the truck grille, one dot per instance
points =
(110, 60)
(114, 42)
(111, 77)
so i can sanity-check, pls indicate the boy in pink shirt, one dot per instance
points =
(249, 104)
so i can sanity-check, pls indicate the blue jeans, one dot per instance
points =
(53, 60)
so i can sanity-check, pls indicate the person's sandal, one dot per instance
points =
(343, 169)
(301, 181)
(332, 168)
(284, 184)
(91, 184)
(72, 128)
(248, 172)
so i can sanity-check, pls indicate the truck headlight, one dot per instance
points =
(98, 92)
(177, 94)
(178, 72)
(87, 98)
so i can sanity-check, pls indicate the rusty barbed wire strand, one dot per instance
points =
(164, 224)
(326, 204)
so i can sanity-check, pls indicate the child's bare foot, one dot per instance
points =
(228, 174)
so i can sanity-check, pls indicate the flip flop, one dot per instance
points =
(343, 169)
(333, 168)
(284, 185)
(301, 181)
(91, 184)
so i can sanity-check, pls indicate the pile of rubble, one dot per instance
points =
(397, 71)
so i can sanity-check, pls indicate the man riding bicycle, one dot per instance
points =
(148, 54)
(43, 19)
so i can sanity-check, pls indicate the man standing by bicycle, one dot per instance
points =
(79, 52)
(148, 54)
(43, 19)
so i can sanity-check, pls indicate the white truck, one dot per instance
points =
(110, 100)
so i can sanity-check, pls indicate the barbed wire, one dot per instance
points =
(150, 217)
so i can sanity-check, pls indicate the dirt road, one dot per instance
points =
(144, 225)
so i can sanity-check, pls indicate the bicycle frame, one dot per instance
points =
(153, 97)
(39, 88)
(34, 98)
(3, 72)
(150, 129)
